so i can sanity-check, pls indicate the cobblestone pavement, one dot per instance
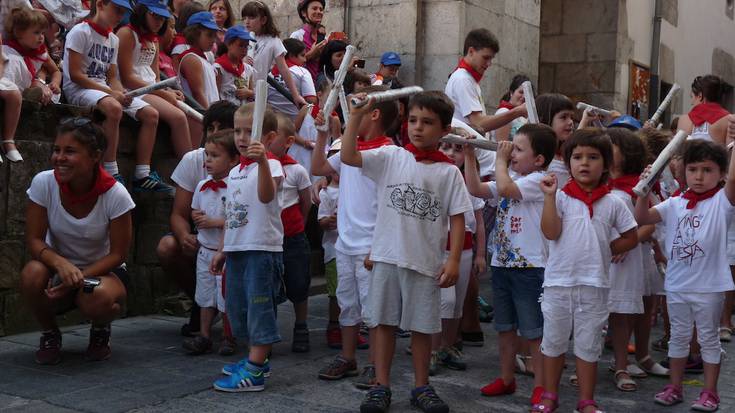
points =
(150, 372)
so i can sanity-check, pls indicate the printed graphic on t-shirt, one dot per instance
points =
(415, 202)
(236, 214)
(506, 254)
(101, 57)
(685, 247)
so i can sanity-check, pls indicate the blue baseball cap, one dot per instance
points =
(158, 7)
(390, 59)
(204, 19)
(627, 122)
(238, 32)
(123, 3)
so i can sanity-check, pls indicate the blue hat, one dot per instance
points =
(390, 59)
(238, 32)
(204, 19)
(123, 3)
(627, 122)
(158, 7)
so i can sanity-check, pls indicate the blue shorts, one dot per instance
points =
(253, 281)
(297, 267)
(516, 293)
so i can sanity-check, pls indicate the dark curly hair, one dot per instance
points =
(634, 151)
(700, 150)
(592, 137)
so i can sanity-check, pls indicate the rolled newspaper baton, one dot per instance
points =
(190, 111)
(662, 161)
(387, 95)
(343, 105)
(172, 82)
(483, 144)
(339, 78)
(664, 104)
(530, 101)
(261, 99)
(584, 106)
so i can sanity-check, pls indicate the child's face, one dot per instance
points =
(238, 48)
(359, 85)
(617, 165)
(703, 176)
(300, 58)
(218, 162)
(219, 11)
(110, 14)
(425, 128)
(279, 146)
(31, 38)
(480, 59)
(389, 71)
(337, 59)
(516, 98)
(454, 152)
(254, 23)
(207, 37)
(522, 158)
(587, 166)
(563, 124)
(243, 125)
(334, 179)
(154, 22)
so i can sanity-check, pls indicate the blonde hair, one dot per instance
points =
(285, 125)
(270, 120)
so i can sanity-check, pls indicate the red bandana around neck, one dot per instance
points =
(694, 197)
(102, 31)
(197, 51)
(707, 112)
(466, 66)
(573, 189)
(625, 183)
(102, 184)
(177, 41)
(29, 55)
(377, 142)
(144, 37)
(505, 104)
(289, 63)
(286, 159)
(435, 155)
(213, 185)
(245, 162)
(226, 64)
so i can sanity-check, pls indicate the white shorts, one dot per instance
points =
(731, 243)
(653, 280)
(582, 309)
(6, 84)
(702, 310)
(209, 286)
(353, 285)
(91, 97)
(452, 298)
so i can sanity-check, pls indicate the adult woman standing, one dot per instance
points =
(78, 231)
(311, 13)
(707, 119)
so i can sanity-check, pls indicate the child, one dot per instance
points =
(557, 111)
(137, 59)
(519, 257)
(91, 79)
(208, 213)
(165, 64)
(29, 66)
(421, 192)
(252, 246)
(12, 101)
(327, 216)
(296, 203)
(257, 18)
(295, 60)
(198, 76)
(356, 217)
(179, 44)
(307, 133)
(579, 221)
(390, 64)
(234, 76)
(697, 273)
(512, 99)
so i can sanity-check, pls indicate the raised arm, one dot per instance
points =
(472, 176)
(492, 122)
(550, 220)
(730, 183)
(506, 187)
(319, 164)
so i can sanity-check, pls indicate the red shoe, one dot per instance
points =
(334, 338)
(538, 391)
(362, 342)
(498, 388)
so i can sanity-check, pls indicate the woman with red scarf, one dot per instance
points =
(512, 99)
(707, 119)
(311, 13)
(78, 232)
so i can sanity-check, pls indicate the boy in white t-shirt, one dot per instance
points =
(697, 272)
(420, 192)
(295, 60)
(252, 245)
(520, 252)
(234, 75)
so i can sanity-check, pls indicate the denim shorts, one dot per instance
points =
(253, 280)
(296, 267)
(516, 293)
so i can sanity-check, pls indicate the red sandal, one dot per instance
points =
(583, 404)
(542, 408)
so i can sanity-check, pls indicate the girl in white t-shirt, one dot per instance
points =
(138, 62)
(78, 232)
(234, 75)
(198, 76)
(269, 48)
(12, 101)
(512, 98)
(557, 111)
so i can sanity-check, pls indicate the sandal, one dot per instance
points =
(13, 155)
(623, 384)
(521, 367)
(633, 370)
(583, 404)
(725, 334)
(661, 344)
(656, 369)
(542, 408)
(708, 402)
(670, 395)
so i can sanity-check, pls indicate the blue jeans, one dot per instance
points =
(253, 281)
(516, 293)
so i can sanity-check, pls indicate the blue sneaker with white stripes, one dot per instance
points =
(228, 369)
(152, 183)
(249, 378)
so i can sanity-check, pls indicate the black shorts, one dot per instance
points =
(68, 303)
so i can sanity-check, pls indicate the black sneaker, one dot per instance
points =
(473, 338)
(426, 399)
(99, 344)
(300, 342)
(49, 351)
(197, 345)
(377, 400)
(152, 183)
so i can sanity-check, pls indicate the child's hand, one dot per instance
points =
(549, 184)
(300, 101)
(479, 264)
(329, 223)
(120, 97)
(243, 93)
(218, 262)
(449, 274)
(504, 150)
(619, 258)
(55, 89)
(368, 263)
(202, 221)
(319, 120)
(249, 60)
(646, 173)
(256, 152)
(362, 110)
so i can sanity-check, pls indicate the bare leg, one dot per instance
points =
(177, 122)
(349, 341)
(148, 118)
(105, 302)
(385, 346)
(587, 373)
(676, 366)
(301, 309)
(553, 367)
(711, 375)
(643, 331)
(507, 346)
(537, 361)
(470, 315)
(258, 353)
(11, 115)
(206, 317)
(196, 131)
(111, 126)
(421, 352)
(620, 336)
(34, 280)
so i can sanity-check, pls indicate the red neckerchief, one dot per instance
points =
(87, 4)
(289, 63)
(102, 184)
(435, 155)
(573, 189)
(378, 76)
(377, 142)
(676, 193)
(29, 55)
(405, 140)
(165, 64)
(245, 162)
(315, 110)
(177, 41)
(694, 197)
(625, 183)
(102, 31)
(226, 64)
(195, 50)
(505, 104)
(464, 65)
(213, 185)
(144, 37)
(707, 112)
(287, 160)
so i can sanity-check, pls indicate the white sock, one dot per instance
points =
(111, 167)
(141, 171)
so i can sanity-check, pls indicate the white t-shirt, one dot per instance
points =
(212, 203)
(16, 70)
(98, 54)
(295, 179)
(267, 48)
(190, 170)
(465, 93)
(304, 84)
(518, 241)
(229, 83)
(581, 255)
(470, 223)
(251, 225)
(559, 168)
(82, 241)
(696, 244)
(327, 208)
(302, 155)
(415, 202)
(358, 208)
